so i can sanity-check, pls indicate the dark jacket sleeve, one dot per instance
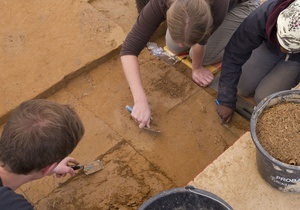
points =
(250, 35)
(152, 15)
(10, 200)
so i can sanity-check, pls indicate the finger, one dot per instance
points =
(141, 125)
(72, 172)
(208, 80)
(148, 124)
(197, 80)
(226, 119)
(58, 175)
(229, 119)
(134, 118)
(211, 76)
(70, 159)
(206, 83)
(73, 160)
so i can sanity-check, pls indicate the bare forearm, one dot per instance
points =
(198, 54)
(132, 73)
(141, 110)
(200, 74)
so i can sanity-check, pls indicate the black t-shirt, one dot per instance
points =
(10, 200)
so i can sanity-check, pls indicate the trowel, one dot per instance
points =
(90, 168)
(129, 109)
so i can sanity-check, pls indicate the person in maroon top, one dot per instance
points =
(203, 26)
(35, 142)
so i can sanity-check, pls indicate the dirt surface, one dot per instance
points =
(278, 132)
(45, 44)
(138, 163)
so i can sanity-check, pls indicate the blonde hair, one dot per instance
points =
(189, 21)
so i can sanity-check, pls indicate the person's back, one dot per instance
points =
(11, 200)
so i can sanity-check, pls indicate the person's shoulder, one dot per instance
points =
(11, 200)
(223, 2)
(163, 4)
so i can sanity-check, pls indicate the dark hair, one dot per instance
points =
(39, 133)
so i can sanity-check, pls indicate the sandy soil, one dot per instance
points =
(278, 132)
(138, 163)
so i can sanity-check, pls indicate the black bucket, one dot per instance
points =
(188, 198)
(282, 176)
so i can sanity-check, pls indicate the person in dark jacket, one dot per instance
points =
(262, 57)
(35, 142)
(204, 25)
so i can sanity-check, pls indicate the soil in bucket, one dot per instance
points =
(278, 129)
(275, 132)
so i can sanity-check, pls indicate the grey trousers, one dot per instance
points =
(219, 39)
(265, 73)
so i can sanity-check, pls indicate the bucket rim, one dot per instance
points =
(256, 113)
(188, 188)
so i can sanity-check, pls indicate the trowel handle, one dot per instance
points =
(129, 108)
(76, 167)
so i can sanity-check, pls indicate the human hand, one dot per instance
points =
(141, 113)
(202, 76)
(225, 113)
(63, 168)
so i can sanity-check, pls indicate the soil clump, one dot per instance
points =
(278, 129)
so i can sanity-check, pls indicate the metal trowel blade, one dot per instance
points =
(90, 168)
(129, 109)
(93, 167)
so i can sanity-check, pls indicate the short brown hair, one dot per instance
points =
(39, 133)
(189, 21)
